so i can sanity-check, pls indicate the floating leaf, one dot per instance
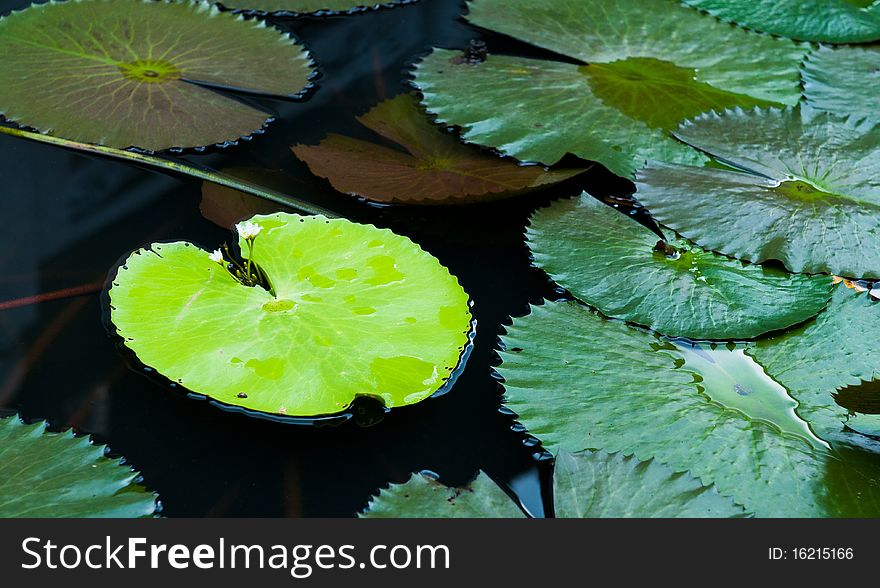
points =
(585, 485)
(56, 475)
(424, 497)
(831, 21)
(833, 355)
(322, 7)
(611, 262)
(578, 381)
(843, 80)
(651, 64)
(123, 73)
(435, 169)
(353, 311)
(810, 196)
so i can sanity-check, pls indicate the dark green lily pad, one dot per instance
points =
(830, 21)
(322, 7)
(809, 197)
(829, 365)
(585, 485)
(843, 80)
(578, 381)
(56, 475)
(649, 65)
(353, 311)
(137, 74)
(610, 261)
(435, 168)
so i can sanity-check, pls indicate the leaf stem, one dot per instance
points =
(192, 170)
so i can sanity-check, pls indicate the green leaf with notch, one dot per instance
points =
(138, 74)
(578, 381)
(809, 197)
(585, 485)
(646, 68)
(435, 168)
(55, 475)
(353, 311)
(829, 21)
(611, 262)
(830, 366)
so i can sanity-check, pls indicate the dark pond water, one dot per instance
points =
(68, 219)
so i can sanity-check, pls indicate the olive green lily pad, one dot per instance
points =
(137, 74)
(578, 381)
(353, 311)
(435, 168)
(55, 475)
(322, 7)
(843, 80)
(809, 197)
(830, 366)
(610, 261)
(830, 21)
(585, 485)
(649, 65)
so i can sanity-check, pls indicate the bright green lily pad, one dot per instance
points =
(133, 74)
(843, 80)
(436, 167)
(578, 381)
(609, 261)
(830, 21)
(354, 311)
(585, 485)
(809, 197)
(55, 475)
(825, 357)
(649, 66)
(309, 6)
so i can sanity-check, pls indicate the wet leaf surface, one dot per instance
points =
(611, 262)
(605, 385)
(842, 80)
(809, 197)
(830, 21)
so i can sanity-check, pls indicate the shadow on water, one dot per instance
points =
(69, 218)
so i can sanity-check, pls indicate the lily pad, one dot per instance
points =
(322, 7)
(423, 496)
(585, 485)
(830, 366)
(57, 475)
(431, 166)
(578, 381)
(138, 74)
(611, 262)
(352, 311)
(830, 21)
(649, 64)
(842, 80)
(809, 197)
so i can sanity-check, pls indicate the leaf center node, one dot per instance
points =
(150, 71)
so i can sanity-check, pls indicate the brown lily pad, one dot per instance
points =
(431, 167)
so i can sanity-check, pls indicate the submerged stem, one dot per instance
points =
(188, 169)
